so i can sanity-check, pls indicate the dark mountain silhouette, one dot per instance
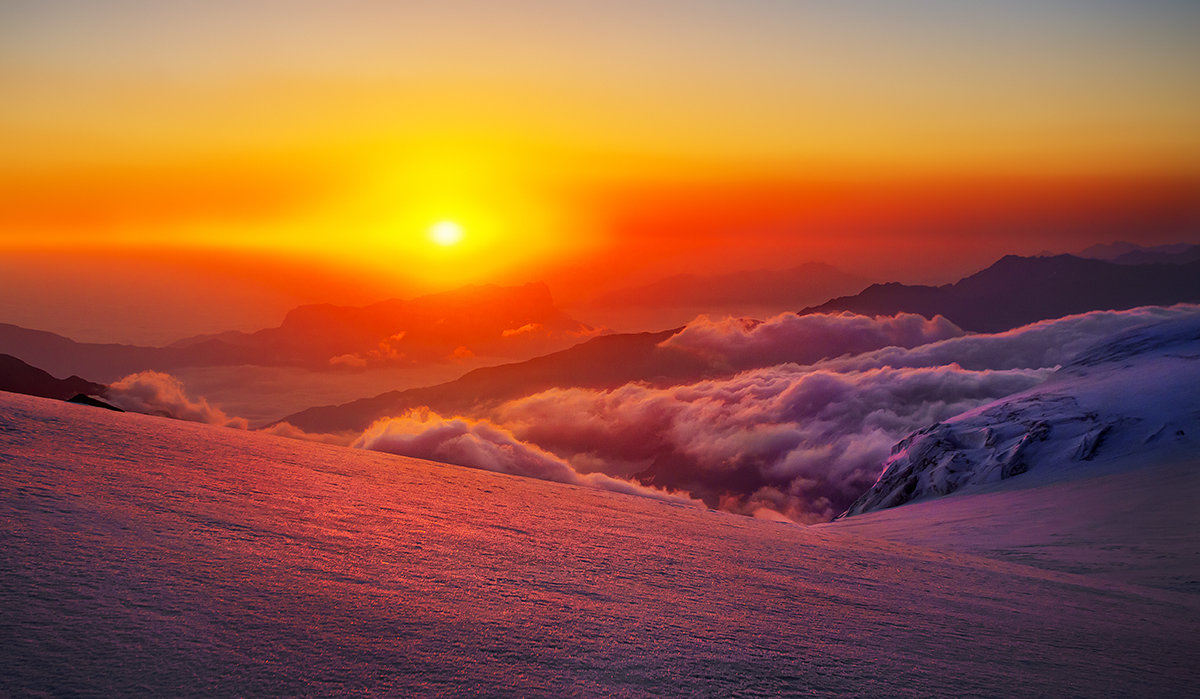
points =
(1019, 290)
(603, 362)
(507, 322)
(1180, 256)
(18, 377)
(1114, 252)
(678, 299)
(63, 356)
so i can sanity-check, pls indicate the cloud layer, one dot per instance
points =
(1047, 343)
(801, 440)
(800, 432)
(742, 343)
(480, 444)
(287, 429)
(803, 443)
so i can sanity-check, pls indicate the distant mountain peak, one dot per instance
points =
(509, 322)
(1016, 291)
(1111, 251)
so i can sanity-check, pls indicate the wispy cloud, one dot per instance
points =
(742, 343)
(156, 393)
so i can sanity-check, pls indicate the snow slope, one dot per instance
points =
(1133, 521)
(1131, 400)
(140, 555)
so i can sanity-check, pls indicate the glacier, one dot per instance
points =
(1130, 398)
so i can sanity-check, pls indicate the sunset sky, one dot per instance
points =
(241, 157)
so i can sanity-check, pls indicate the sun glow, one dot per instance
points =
(446, 233)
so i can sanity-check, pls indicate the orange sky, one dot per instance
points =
(262, 146)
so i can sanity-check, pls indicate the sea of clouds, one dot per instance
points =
(799, 426)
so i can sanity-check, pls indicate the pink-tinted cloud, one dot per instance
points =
(1047, 343)
(480, 444)
(287, 429)
(798, 442)
(742, 343)
(801, 440)
(156, 393)
(352, 361)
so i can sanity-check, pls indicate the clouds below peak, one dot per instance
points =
(801, 436)
(794, 439)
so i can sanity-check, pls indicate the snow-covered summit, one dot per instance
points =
(1135, 394)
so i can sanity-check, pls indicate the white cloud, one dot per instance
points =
(801, 440)
(480, 444)
(156, 393)
(742, 343)
(287, 429)
(803, 443)
(1047, 343)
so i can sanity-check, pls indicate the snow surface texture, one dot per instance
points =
(1134, 395)
(1129, 521)
(144, 556)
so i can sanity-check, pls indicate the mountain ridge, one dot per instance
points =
(602, 362)
(491, 320)
(1017, 290)
(17, 376)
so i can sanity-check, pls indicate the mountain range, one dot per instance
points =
(18, 377)
(520, 322)
(1133, 254)
(1012, 292)
(495, 321)
(602, 362)
(1019, 290)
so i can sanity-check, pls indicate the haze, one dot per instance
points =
(239, 158)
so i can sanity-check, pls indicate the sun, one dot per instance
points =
(445, 233)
